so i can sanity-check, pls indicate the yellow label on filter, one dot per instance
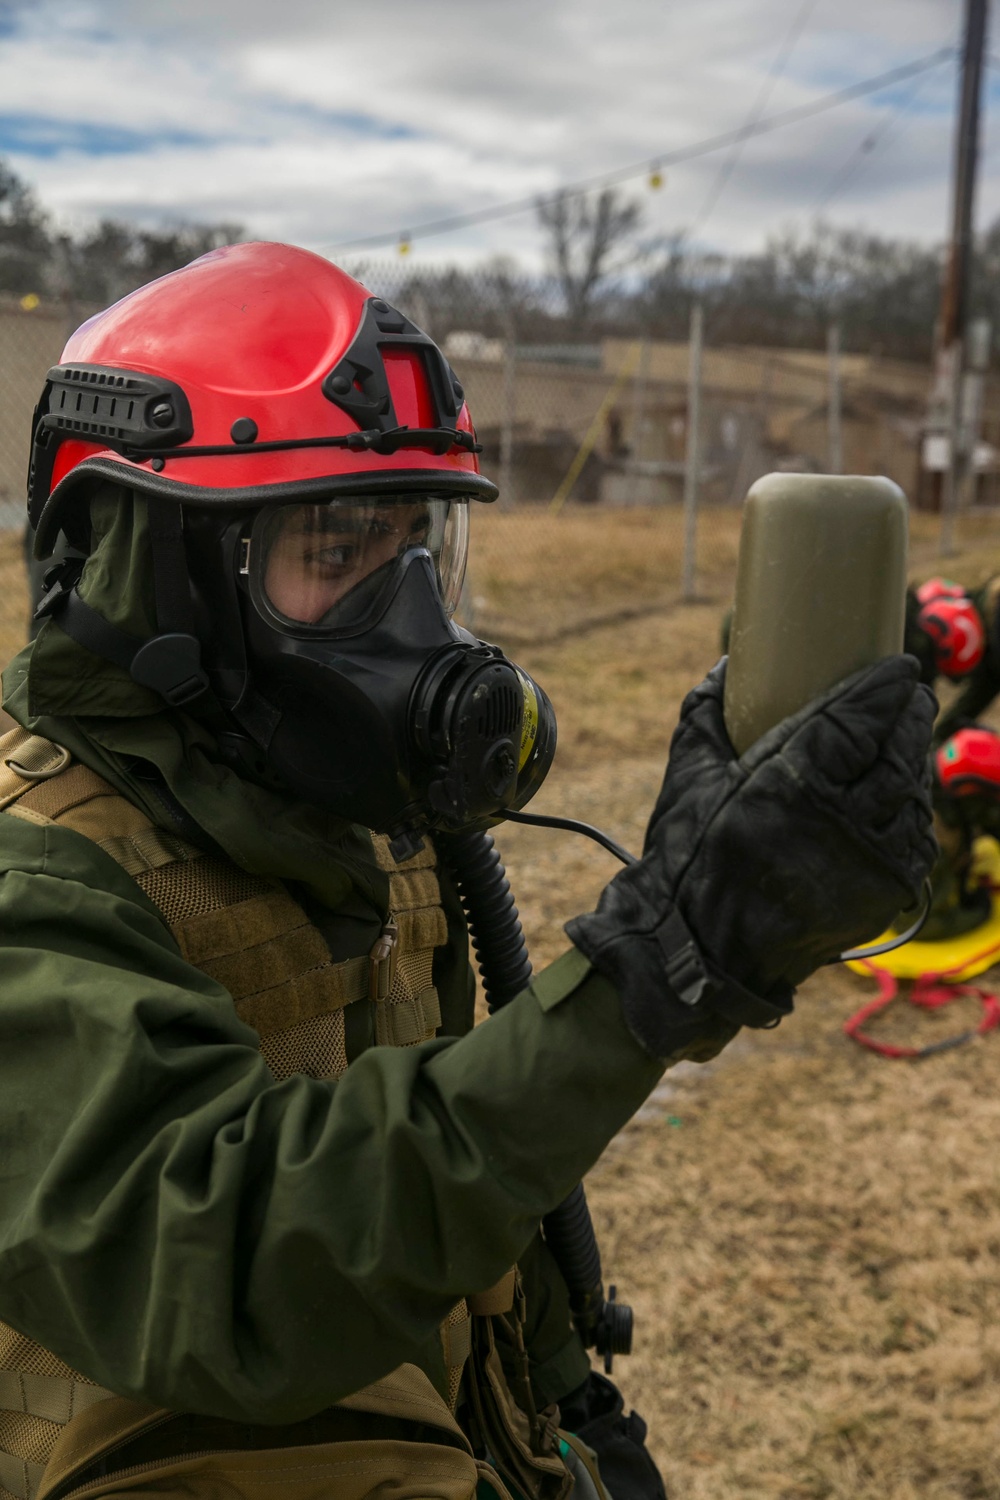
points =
(529, 724)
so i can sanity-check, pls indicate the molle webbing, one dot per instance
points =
(246, 932)
(38, 1396)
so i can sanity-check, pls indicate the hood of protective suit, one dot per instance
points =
(58, 689)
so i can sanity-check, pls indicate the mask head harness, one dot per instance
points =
(304, 578)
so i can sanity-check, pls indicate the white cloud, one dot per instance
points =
(322, 123)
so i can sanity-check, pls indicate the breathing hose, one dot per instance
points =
(501, 953)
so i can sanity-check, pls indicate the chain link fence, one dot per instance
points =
(614, 501)
(31, 340)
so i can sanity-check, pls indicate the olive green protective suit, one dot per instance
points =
(174, 1223)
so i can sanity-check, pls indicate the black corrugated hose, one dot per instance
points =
(502, 955)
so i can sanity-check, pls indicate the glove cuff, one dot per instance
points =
(695, 981)
(666, 984)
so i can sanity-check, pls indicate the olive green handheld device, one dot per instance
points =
(820, 592)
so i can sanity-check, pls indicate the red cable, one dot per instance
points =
(930, 991)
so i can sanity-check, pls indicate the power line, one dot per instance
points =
(842, 177)
(865, 147)
(665, 159)
(775, 71)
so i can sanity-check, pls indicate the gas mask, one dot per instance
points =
(382, 708)
(307, 456)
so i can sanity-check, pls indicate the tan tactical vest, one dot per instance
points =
(248, 933)
(56, 1427)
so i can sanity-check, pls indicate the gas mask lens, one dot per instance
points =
(332, 566)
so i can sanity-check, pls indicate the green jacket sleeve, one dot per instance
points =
(182, 1228)
(975, 695)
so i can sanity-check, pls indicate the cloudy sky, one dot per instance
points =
(324, 122)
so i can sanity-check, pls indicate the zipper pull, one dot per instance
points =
(382, 961)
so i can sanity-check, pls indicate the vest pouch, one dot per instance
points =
(394, 1440)
(582, 1464)
(380, 1469)
(504, 1428)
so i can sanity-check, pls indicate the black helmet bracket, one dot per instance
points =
(359, 385)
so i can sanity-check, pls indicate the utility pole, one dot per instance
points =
(943, 423)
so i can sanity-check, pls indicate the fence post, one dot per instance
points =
(835, 434)
(692, 460)
(507, 496)
(638, 418)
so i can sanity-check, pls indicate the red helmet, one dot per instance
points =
(969, 762)
(305, 454)
(259, 369)
(939, 588)
(955, 627)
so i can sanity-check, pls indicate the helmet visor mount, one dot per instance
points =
(329, 569)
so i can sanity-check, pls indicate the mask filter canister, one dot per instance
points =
(487, 729)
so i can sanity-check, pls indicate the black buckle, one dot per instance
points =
(170, 664)
(686, 974)
(59, 580)
(685, 968)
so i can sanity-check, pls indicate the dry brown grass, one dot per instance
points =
(13, 598)
(536, 574)
(810, 1235)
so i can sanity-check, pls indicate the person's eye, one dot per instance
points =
(337, 559)
(417, 534)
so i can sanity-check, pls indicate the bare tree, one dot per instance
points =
(883, 292)
(24, 236)
(95, 265)
(114, 257)
(584, 236)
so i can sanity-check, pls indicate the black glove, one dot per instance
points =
(757, 870)
(595, 1412)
